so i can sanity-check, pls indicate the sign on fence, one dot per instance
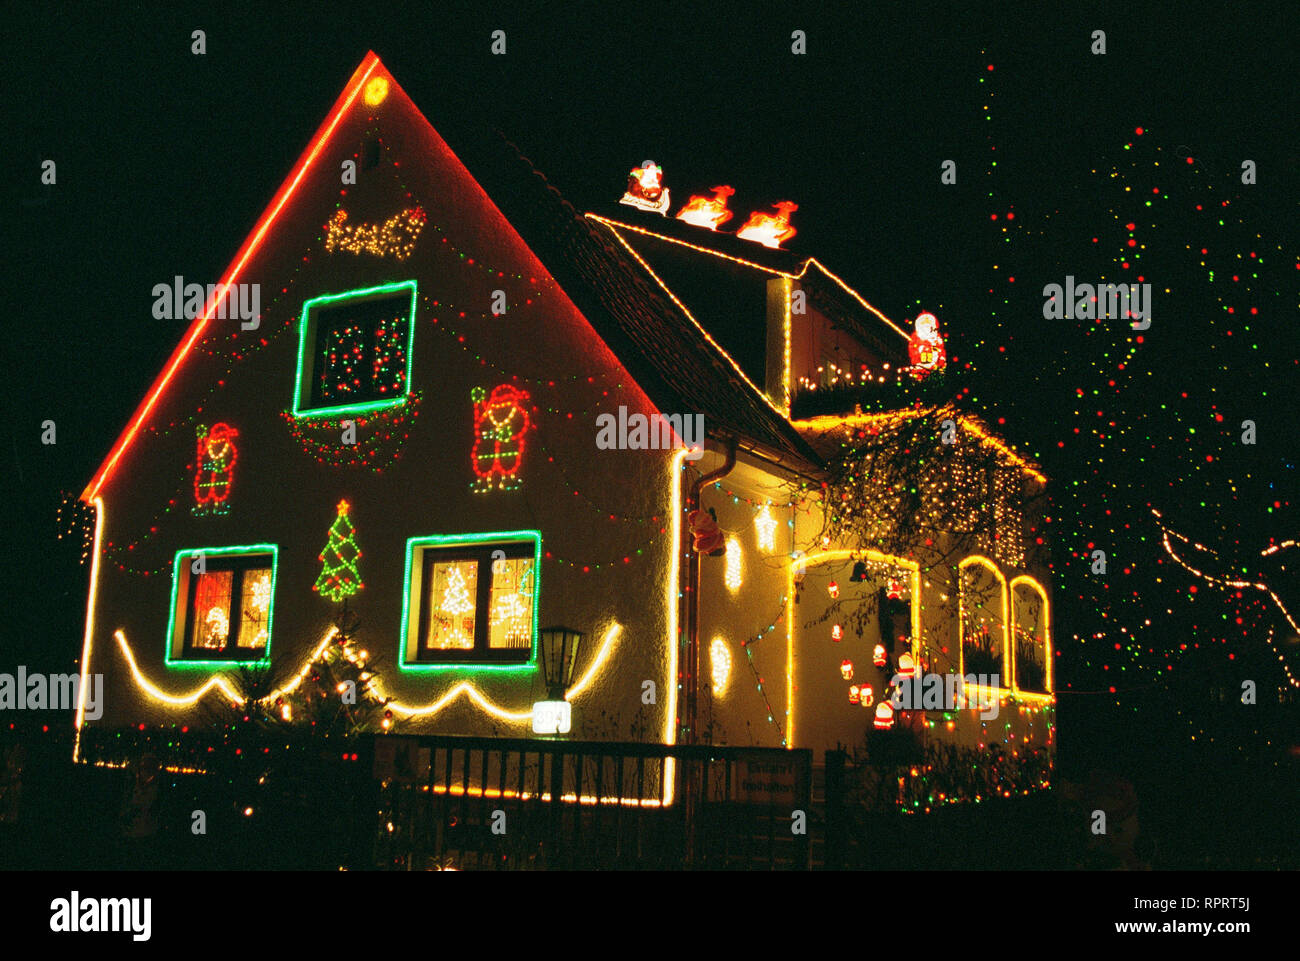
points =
(763, 779)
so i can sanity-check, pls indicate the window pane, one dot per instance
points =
(388, 368)
(453, 589)
(255, 607)
(511, 602)
(361, 350)
(1031, 643)
(982, 642)
(342, 363)
(210, 619)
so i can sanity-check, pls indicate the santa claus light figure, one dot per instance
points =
(925, 347)
(646, 190)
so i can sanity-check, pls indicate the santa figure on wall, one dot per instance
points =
(501, 421)
(925, 347)
(214, 469)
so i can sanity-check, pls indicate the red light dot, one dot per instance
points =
(1138, 131)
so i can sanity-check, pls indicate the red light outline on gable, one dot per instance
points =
(323, 133)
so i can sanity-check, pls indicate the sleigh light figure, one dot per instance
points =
(396, 236)
(646, 190)
(501, 421)
(214, 469)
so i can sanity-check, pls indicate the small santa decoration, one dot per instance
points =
(925, 346)
(706, 535)
(646, 190)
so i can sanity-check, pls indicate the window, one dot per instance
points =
(354, 350)
(982, 620)
(222, 602)
(472, 599)
(1031, 651)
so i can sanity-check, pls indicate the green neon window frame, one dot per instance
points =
(303, 378)
(179, 616)
(412, 599)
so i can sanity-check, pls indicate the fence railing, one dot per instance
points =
(461, 802)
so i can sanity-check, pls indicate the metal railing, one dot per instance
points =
(450, 802)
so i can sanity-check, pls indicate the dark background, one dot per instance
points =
(166, 160)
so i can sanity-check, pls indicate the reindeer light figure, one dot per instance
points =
(768, 229)
(710, 212)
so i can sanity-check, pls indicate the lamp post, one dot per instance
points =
(559, 653)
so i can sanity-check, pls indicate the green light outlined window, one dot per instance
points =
(222, 606)
(355, 350)
(471, 600)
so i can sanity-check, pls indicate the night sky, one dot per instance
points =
(166, 160)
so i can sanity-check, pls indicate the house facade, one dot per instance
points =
(415, 421)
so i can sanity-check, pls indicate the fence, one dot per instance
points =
(449, 802)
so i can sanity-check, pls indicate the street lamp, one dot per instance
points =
(559, 653)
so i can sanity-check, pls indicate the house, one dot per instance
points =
(411, 425)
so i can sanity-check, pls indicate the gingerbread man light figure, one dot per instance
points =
(501, 420)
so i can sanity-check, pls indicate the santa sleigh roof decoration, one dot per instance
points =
(646, 190)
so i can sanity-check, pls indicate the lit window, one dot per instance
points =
(222, 601)
(983, 621)
(471, 600)
(1031, 636)
(354, 351)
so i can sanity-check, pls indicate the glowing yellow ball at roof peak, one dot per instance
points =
(376, 91)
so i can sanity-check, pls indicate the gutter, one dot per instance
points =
(690, 604)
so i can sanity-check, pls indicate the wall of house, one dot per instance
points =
(604, 515)
(817, 342)
(825, 716)
(743, 609)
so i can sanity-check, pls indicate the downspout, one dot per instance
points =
(690, 606)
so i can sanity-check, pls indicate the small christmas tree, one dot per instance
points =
(339, 695)
(455, 599)
(339, 577)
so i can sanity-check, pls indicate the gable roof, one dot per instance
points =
(680, 368)
(231, 276)
(679, 365)
(713, 272)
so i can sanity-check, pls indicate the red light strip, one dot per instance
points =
(323, 133)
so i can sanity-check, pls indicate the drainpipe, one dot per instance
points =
(690, 602)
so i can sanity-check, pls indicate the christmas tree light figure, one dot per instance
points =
(339, 577)
(455, 599)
